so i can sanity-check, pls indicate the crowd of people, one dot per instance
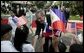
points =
(14, 34)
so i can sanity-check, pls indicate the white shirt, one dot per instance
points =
(28, 48)
(14, 26)
(7, 46)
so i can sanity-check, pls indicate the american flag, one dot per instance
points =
(22, 20)
(58, 19)
(71, 27)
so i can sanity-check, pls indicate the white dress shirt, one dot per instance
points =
(28, 48)
(14, 26)
(7, 46)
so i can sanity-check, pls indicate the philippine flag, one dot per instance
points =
(57, 19)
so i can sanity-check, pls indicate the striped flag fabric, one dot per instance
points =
(22, 20)
(57, 19)
(71, 27)
(79, 26)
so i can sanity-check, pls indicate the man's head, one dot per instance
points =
(39, 14)
(76, 48)
(5, 31)
(62, 47)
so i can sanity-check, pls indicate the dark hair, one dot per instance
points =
(5, 28)
(20, 12)
(21, 35)
(62, 47)
(76, 48)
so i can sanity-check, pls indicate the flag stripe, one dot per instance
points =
(54, 17)
(79, 26)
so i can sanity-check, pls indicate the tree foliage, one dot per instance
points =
(76, 7)
(40, 4)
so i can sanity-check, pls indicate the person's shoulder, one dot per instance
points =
(7, 46)
(27, 46)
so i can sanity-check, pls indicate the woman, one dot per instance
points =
(20, 42)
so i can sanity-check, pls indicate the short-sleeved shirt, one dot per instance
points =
(7, 46)
(28, 48)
